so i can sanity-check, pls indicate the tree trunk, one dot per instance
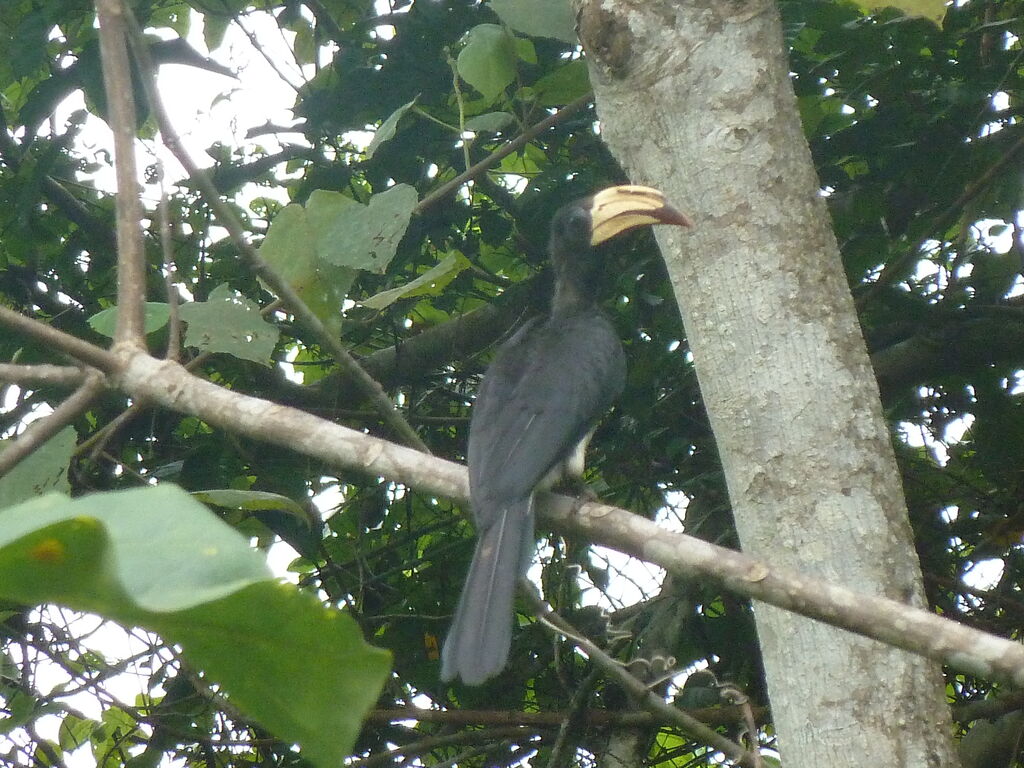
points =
(695, 98)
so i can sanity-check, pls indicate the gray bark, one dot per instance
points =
(694, 98)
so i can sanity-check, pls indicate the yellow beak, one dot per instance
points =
(616, 209)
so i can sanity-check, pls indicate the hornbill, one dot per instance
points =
(539, 402)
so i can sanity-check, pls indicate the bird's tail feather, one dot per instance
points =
(478, 642)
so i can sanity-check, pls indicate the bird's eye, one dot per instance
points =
(579, 222)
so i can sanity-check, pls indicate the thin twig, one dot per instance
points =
(895, 268)
(497, 156)
(263, 54)
(59, 375)
(131, 269)
(487, 736)
(565, 740)
(167, 248)
(51, 337)
(38, 432)
(635, 687)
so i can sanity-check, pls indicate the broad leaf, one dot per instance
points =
(538, 18)
(229, 323)
(358, 236)
(934, 10)
(387, 129)
(155, 316)
(488, 60)
(156, 558)
(491, 122)
(290, 247)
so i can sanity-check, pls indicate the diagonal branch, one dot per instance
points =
(497, 156)
(38, 432)
(167, 383)
(889, 621)
(636, 688)
(48, 336)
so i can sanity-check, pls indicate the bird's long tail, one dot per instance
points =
(478, 642)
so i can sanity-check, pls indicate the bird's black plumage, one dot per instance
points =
(548, 386)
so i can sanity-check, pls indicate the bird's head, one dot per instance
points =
(581, 225)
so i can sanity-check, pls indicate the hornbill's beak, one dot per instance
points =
(617, 209)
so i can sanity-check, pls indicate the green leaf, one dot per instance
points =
(214, 27)
(933, 10)
(74, 731)
(45, 470)
(250, 500)
(491, 122)
(488, 60)
(229, 323)
(430, 282)
(565, 84)
(111, 736)
(538, 18)
(156, 558)
(357, 236)
(155, 316)
(305, 46)
(177, 16)
(387, 129)
(290, 248)
(525, 50)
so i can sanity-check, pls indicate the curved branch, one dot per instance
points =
(889, 621)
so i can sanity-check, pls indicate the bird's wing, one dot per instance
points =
(544, 391)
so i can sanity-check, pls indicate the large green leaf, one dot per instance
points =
(565, 84)
(488, 59)
(538, 18)
(155, 316)
(290, 247)
(230, 323)
(935, 10)
(358, 236)
(156, 558)
(333, 235)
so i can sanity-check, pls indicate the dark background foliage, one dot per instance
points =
(916, 136)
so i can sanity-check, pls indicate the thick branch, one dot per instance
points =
(590, 718)
(886, 620)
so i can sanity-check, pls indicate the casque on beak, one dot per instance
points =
(616, 209)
